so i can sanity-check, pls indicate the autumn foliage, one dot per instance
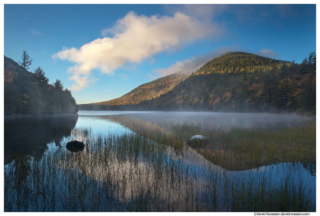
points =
(253, 84)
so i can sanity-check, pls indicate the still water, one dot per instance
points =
(139, 161)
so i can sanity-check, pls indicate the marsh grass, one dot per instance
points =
(235, 148)
(152, 172)
(240, 149)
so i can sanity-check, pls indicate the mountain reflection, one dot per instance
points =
(218, 121)
(142, 163)
(236, 141)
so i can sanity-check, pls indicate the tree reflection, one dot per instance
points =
(29, 136)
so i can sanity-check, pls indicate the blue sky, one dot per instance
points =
(101, 52)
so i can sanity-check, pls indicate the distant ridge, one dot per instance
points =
(158, 87)
(236, 82)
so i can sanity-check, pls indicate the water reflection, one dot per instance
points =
(99, 125)
(236, 141)
(140, 162)
(132, 173)
(29, 136)
(210, 120)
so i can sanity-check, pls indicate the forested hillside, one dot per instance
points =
(240, 62)
(260, 85)
(31, 93)
(147, 91)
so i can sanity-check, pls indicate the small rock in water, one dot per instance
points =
(198, 141)
(75, 146)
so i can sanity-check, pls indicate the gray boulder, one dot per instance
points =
(197, 141)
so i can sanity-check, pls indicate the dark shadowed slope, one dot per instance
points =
(30, 93)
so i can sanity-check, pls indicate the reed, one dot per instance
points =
(155, 172)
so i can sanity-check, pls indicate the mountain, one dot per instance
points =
(30, 93)
(147, 91)
(234, 62)
(239, 82)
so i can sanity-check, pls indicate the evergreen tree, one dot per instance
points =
(26, 61)
(58, 85)
(41, 76)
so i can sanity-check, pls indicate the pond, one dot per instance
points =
(140, 161)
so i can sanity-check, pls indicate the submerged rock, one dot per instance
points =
(75, 146)
(197, 141)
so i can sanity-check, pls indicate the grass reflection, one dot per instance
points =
(153, 171)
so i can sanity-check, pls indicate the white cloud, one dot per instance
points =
(135, 38)
(81, 81)
(35, 32)
(267, 53)
(190, 65)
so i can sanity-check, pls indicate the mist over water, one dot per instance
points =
(132, 156)
(212, 120)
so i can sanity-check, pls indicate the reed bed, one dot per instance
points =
(150, 172)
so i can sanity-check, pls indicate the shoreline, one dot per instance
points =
(21, 115)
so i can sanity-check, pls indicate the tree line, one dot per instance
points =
(31, 93)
